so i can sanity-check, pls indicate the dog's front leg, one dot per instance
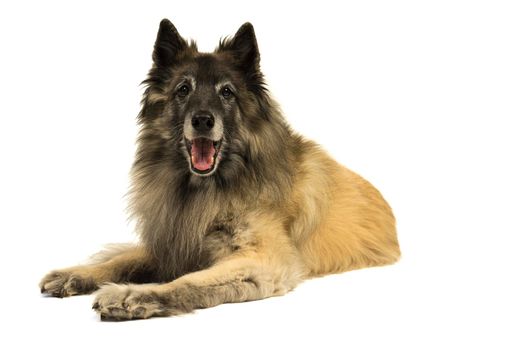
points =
(122, 263)
(267, 266)
(236, 280)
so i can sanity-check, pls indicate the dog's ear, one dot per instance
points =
(169, 44)
(244, 48)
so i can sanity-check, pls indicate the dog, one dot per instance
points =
(230, 203)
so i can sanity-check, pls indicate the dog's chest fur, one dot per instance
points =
(227, 234)
(224, 235)
(186, 231)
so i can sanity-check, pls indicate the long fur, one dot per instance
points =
(277, 209)
(259, 164)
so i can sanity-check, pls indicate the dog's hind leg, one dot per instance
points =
(118, 264)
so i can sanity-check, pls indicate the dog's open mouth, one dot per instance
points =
(203, 153)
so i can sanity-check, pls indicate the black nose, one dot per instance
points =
(203, 122)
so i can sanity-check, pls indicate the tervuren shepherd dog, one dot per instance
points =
(231, 204)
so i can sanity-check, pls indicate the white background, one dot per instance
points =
(423, 98)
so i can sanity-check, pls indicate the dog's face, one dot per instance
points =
(203, 103)
(203, 100)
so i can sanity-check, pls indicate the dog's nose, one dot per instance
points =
(203, 122)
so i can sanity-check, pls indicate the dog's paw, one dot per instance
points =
(64, 283)
(127, 302)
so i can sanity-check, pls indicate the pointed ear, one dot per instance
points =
(169, 44)
(244, 48)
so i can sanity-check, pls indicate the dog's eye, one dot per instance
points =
(226, 92)
(183, 91)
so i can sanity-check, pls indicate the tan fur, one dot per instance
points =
(348, 223)
(115, 264)
(334, 221)
(279, 211)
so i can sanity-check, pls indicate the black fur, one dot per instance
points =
(258, 148)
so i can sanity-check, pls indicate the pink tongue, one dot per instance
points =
(202, 152)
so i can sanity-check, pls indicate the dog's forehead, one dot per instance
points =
(209, 68)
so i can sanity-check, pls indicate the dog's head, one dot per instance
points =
(198, 108)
